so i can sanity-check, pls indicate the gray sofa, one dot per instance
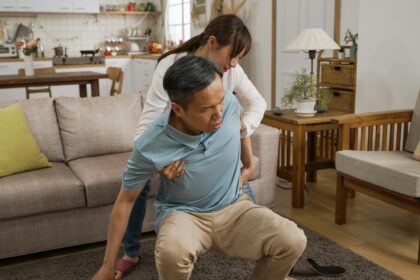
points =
(88, 141)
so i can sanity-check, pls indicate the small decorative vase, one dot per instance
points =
(353, 51)
(28, 61)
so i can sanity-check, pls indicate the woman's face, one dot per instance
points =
(221, 56)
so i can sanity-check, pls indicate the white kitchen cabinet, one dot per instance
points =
(62, 6)
(125, 65)
(50, 6)
(83, 6)
(11, 68)
(30, 6)
(142, 73)
(8, 5)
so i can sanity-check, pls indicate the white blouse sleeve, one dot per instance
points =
(157, 99)
(250, 99)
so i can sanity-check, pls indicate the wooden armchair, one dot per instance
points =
(373, 160)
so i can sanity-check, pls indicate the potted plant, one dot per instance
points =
(299, 93)
(350, 37)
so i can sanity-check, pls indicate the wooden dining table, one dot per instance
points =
(82, 78)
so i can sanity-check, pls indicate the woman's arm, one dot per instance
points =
(157, 98)
(250, 99)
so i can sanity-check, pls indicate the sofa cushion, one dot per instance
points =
(42, 120)
(40, 191)
(18, 149)
(395, 171)
(102, 176)
(97, 126)
(413, 136)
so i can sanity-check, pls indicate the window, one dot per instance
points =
(179, 20)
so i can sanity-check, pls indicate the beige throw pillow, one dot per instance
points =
(416, 154)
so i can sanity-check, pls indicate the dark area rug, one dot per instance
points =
(210, 266)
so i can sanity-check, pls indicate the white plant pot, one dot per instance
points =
(306, 107)
(28, 62)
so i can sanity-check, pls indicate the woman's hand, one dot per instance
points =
(246, 173)
(173, 170)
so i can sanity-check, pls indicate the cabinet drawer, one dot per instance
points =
(342, 100)
(337, 74)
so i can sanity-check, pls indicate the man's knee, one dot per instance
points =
(173, 254)
(297, 242)
(293, 243)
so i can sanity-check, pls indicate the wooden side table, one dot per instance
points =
(307, 144)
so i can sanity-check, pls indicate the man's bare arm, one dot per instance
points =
(117, 226)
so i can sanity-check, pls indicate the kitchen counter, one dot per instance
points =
(144, 56)
(17, 59)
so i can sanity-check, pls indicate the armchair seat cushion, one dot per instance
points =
(392, 170)
(101, 176)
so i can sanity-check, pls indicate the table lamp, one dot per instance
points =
(312, 40)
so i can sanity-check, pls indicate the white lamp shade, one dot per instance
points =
(312, 39)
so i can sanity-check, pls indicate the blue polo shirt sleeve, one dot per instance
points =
(138, 171)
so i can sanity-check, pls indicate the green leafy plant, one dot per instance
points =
(300, 89)
(350, 37)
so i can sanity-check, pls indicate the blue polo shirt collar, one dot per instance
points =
(192, 141)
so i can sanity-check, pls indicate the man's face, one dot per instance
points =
(204, 113)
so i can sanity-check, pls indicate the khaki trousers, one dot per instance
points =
(243, 229)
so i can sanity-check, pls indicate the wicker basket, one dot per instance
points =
(337, 74)
(342, 100)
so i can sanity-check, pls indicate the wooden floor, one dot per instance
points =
(384, 234)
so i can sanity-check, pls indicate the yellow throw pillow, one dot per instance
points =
(19, 150)
(416, 154)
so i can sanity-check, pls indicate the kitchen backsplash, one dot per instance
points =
(84, 31)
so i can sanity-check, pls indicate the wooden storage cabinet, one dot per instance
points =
(339, 75)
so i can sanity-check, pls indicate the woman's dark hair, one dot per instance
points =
(228, 30)
(188, 75)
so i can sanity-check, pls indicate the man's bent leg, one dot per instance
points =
(135, 223)
(182, 237)
(251, 231)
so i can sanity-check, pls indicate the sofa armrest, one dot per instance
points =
(265, 145)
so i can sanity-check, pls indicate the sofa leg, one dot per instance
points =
(341, 201)
(418, 257)
(352, 194)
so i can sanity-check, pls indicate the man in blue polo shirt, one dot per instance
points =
(205, 208)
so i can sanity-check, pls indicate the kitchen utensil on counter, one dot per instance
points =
(40, 48)
(60, 51)
(22, 31)
(89, 52)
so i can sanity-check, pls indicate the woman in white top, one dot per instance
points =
(224, 41)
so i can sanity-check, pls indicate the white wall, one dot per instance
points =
(256, 15)
(349, 18)
(389, 55)
(257, 64)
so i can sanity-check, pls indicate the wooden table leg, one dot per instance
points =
(311, 176)
(95, 88)
(82, 90)
(298, 176)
